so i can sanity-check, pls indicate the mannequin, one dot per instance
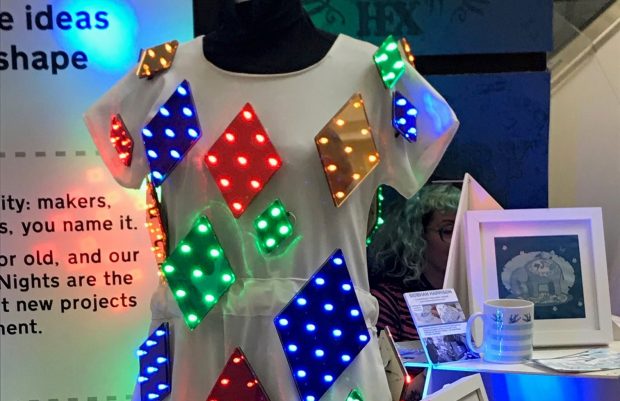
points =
(265, 37)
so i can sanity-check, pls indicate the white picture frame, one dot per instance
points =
(554, 257)
(469, 388)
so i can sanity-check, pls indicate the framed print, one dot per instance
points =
(552, 257)
(468, 388)
(394, 367)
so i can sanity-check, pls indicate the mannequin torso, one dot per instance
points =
(265, 37)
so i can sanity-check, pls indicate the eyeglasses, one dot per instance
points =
(445, 233)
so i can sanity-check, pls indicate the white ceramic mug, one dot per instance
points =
(507, 330)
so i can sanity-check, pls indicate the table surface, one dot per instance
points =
(417, 359)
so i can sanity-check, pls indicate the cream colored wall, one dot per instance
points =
(584, 148)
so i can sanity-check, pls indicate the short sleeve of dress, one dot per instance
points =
(132, 98)
(406, 166)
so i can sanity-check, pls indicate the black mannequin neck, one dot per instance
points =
(265, 37)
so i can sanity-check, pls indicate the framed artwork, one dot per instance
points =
(468, 388)
(394, 367)
(552, 257)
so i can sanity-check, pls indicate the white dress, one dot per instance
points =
(293, 107)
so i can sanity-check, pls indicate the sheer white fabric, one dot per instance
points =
(293, 108)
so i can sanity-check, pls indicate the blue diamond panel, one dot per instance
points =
(322, 329)
(404, 116)
(154, 356)
(171, 133)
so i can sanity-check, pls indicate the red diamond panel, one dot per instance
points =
(237, 382)
(120, 138)
(242, 160)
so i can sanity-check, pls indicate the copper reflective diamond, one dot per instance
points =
(347, 149)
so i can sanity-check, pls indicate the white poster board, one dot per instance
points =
(76, 271)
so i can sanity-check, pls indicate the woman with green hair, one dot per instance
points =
(410, 253)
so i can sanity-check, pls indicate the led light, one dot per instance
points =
(237, 381)
(404, 116)
(355, 312)
(328, 307)
(407, 49)
(363, 337)
(151, 153)
(211, 159)
(301, 373)
(155, 351)
(273, 227)
(356, 176)
(181, 91)
(188, 112)
(292, 347)
(168, 269)
(320, 357)
(224, 182)
(283, 322)
(159, 135)
(344, 145)
(227, 278)
(345, 358)
(337, 261)
(389, 62)
(244, 143)
(121, 139)
(346, 287)
(310, 398)
(372, 158)
(156, 60)
(206, 252)
(192, 133)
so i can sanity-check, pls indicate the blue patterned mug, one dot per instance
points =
(507, 330)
